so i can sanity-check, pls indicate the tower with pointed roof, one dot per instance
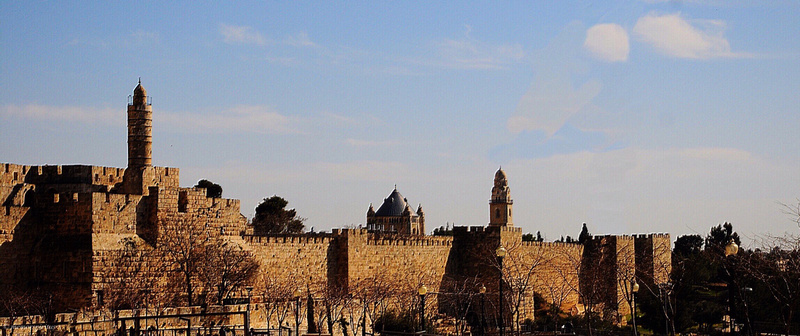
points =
(139, 174)
(500, 205)
(396, 216)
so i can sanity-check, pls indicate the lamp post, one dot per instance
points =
(422, 292)
(482, 290)
(746, 292)
(249, 290)
(297, 294)
(146, 293)
(731, 249)
(634, 290)
(501, 253)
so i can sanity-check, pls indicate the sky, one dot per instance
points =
(630, 116)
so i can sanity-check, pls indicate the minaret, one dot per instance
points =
(140, 129)
(500, 204)
(139, 175)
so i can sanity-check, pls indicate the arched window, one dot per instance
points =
(29, 198)
(496, 213)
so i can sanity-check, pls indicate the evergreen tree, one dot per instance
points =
(585, 235)
(213, 190)
(273, 217)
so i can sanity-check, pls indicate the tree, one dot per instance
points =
(720, 236)
(228, 268)
(213, 190)
(779, 272)
(585, 235)
(134, 273)
(183, 242)
(273, 217)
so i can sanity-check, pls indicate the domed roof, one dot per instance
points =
(139, 90)
(394, 205)
(500, 175)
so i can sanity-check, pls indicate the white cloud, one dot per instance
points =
(469, 53)
(675, 36)
(64, 113)
(254, 119)
(300, 40)
(241, 35)
(608, 42)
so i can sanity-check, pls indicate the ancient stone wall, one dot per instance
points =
(298, 261)
(653, 258)
(555, 272)
(406, 261)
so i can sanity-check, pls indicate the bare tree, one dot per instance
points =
(520, 265)
(793, 210)
(779, 271)
(228, 268)
(132, 274)
(16, 302)
(183, 242)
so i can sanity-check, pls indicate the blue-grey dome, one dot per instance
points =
(392, 205)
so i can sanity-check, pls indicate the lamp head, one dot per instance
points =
(731, 248)
(422, 290)
(500, 251)
(635, 287)
(482, 290)
(297, 293)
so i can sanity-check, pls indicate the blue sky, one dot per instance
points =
(630, 116)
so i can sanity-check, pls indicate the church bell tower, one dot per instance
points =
(501, 203)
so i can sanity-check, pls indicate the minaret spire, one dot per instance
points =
(140, 142)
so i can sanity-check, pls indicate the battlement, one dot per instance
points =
(11, 174)
(403, 240)
(349, 232)
(302, 239)
(554, 245)
(659, 235)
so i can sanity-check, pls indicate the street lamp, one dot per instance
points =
(146, 293)
(501, 253)
(249, 290)
(482, 290)
(634, 290)
(746, 292)
(422, 291)
(297, 294)
(731, 248)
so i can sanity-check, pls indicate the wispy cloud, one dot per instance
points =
(608, 42)
(63, 113)
(251, 119)
(241, 35)
(469, 53)
(300, 39)
(675, 36)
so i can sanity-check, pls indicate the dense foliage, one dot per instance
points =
(272, 217)
(213, 190)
